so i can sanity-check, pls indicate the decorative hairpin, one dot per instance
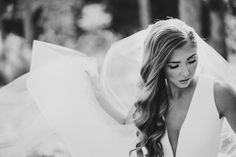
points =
(191, 36)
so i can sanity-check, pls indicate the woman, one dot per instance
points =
(169, 112)
(178, 112)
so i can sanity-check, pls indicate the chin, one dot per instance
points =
(183, 85)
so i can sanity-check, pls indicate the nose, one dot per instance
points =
(185, 71)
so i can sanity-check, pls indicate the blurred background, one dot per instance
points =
(91, 26)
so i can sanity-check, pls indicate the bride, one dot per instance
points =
(108, 114)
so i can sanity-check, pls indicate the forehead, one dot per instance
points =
(183, 52)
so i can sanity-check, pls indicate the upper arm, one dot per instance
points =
(225, 98)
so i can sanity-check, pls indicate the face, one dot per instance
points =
(181, 66)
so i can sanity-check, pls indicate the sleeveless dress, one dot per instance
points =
(200, 132)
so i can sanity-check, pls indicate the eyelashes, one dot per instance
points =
(173, 66)
(192, 61)
(176, 66)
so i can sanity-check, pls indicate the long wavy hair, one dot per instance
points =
(152, 104)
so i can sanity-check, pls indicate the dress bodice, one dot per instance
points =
(200, 131)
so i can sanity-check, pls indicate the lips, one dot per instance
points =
(185, 80)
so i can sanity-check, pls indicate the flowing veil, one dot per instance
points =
(122, 64)
(22, 125)
(61, 89)
(56, 96)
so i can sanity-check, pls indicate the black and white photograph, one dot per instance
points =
(117, 78)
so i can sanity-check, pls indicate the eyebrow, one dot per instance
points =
(179, 61)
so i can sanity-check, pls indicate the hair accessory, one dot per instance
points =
(191, 37)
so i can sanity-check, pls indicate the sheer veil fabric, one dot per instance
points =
(22, 125)
(61, 89)
(122, 64)
(56, 96)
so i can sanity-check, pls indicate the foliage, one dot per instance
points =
(94, 17)
(163, 8)
(15, 57)
(125, 16)
(96, 39)
(231, 33)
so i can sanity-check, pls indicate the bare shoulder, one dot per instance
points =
(225, 97)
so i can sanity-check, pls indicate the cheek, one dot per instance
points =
(171, 74)
(192, 68)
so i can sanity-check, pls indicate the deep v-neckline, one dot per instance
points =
(184, 121)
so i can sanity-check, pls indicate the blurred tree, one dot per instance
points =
(10, 21)
(208, 21)
(217, 36)
(15, 57)
(49, 20)
(14, 52)
(190, 12)
(97, 38)
(232, 5)
(26, 10)
(37, 21)
(125, 16)
(130, 16)
(144, 13)
(94, 17)
(231, 28)
(1, 13)
(161, 9)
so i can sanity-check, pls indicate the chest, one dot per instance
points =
(177, 112)
(175, 119)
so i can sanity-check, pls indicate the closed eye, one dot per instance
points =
(173, 66)
(192, 61)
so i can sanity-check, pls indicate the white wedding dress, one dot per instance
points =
(56, 97)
